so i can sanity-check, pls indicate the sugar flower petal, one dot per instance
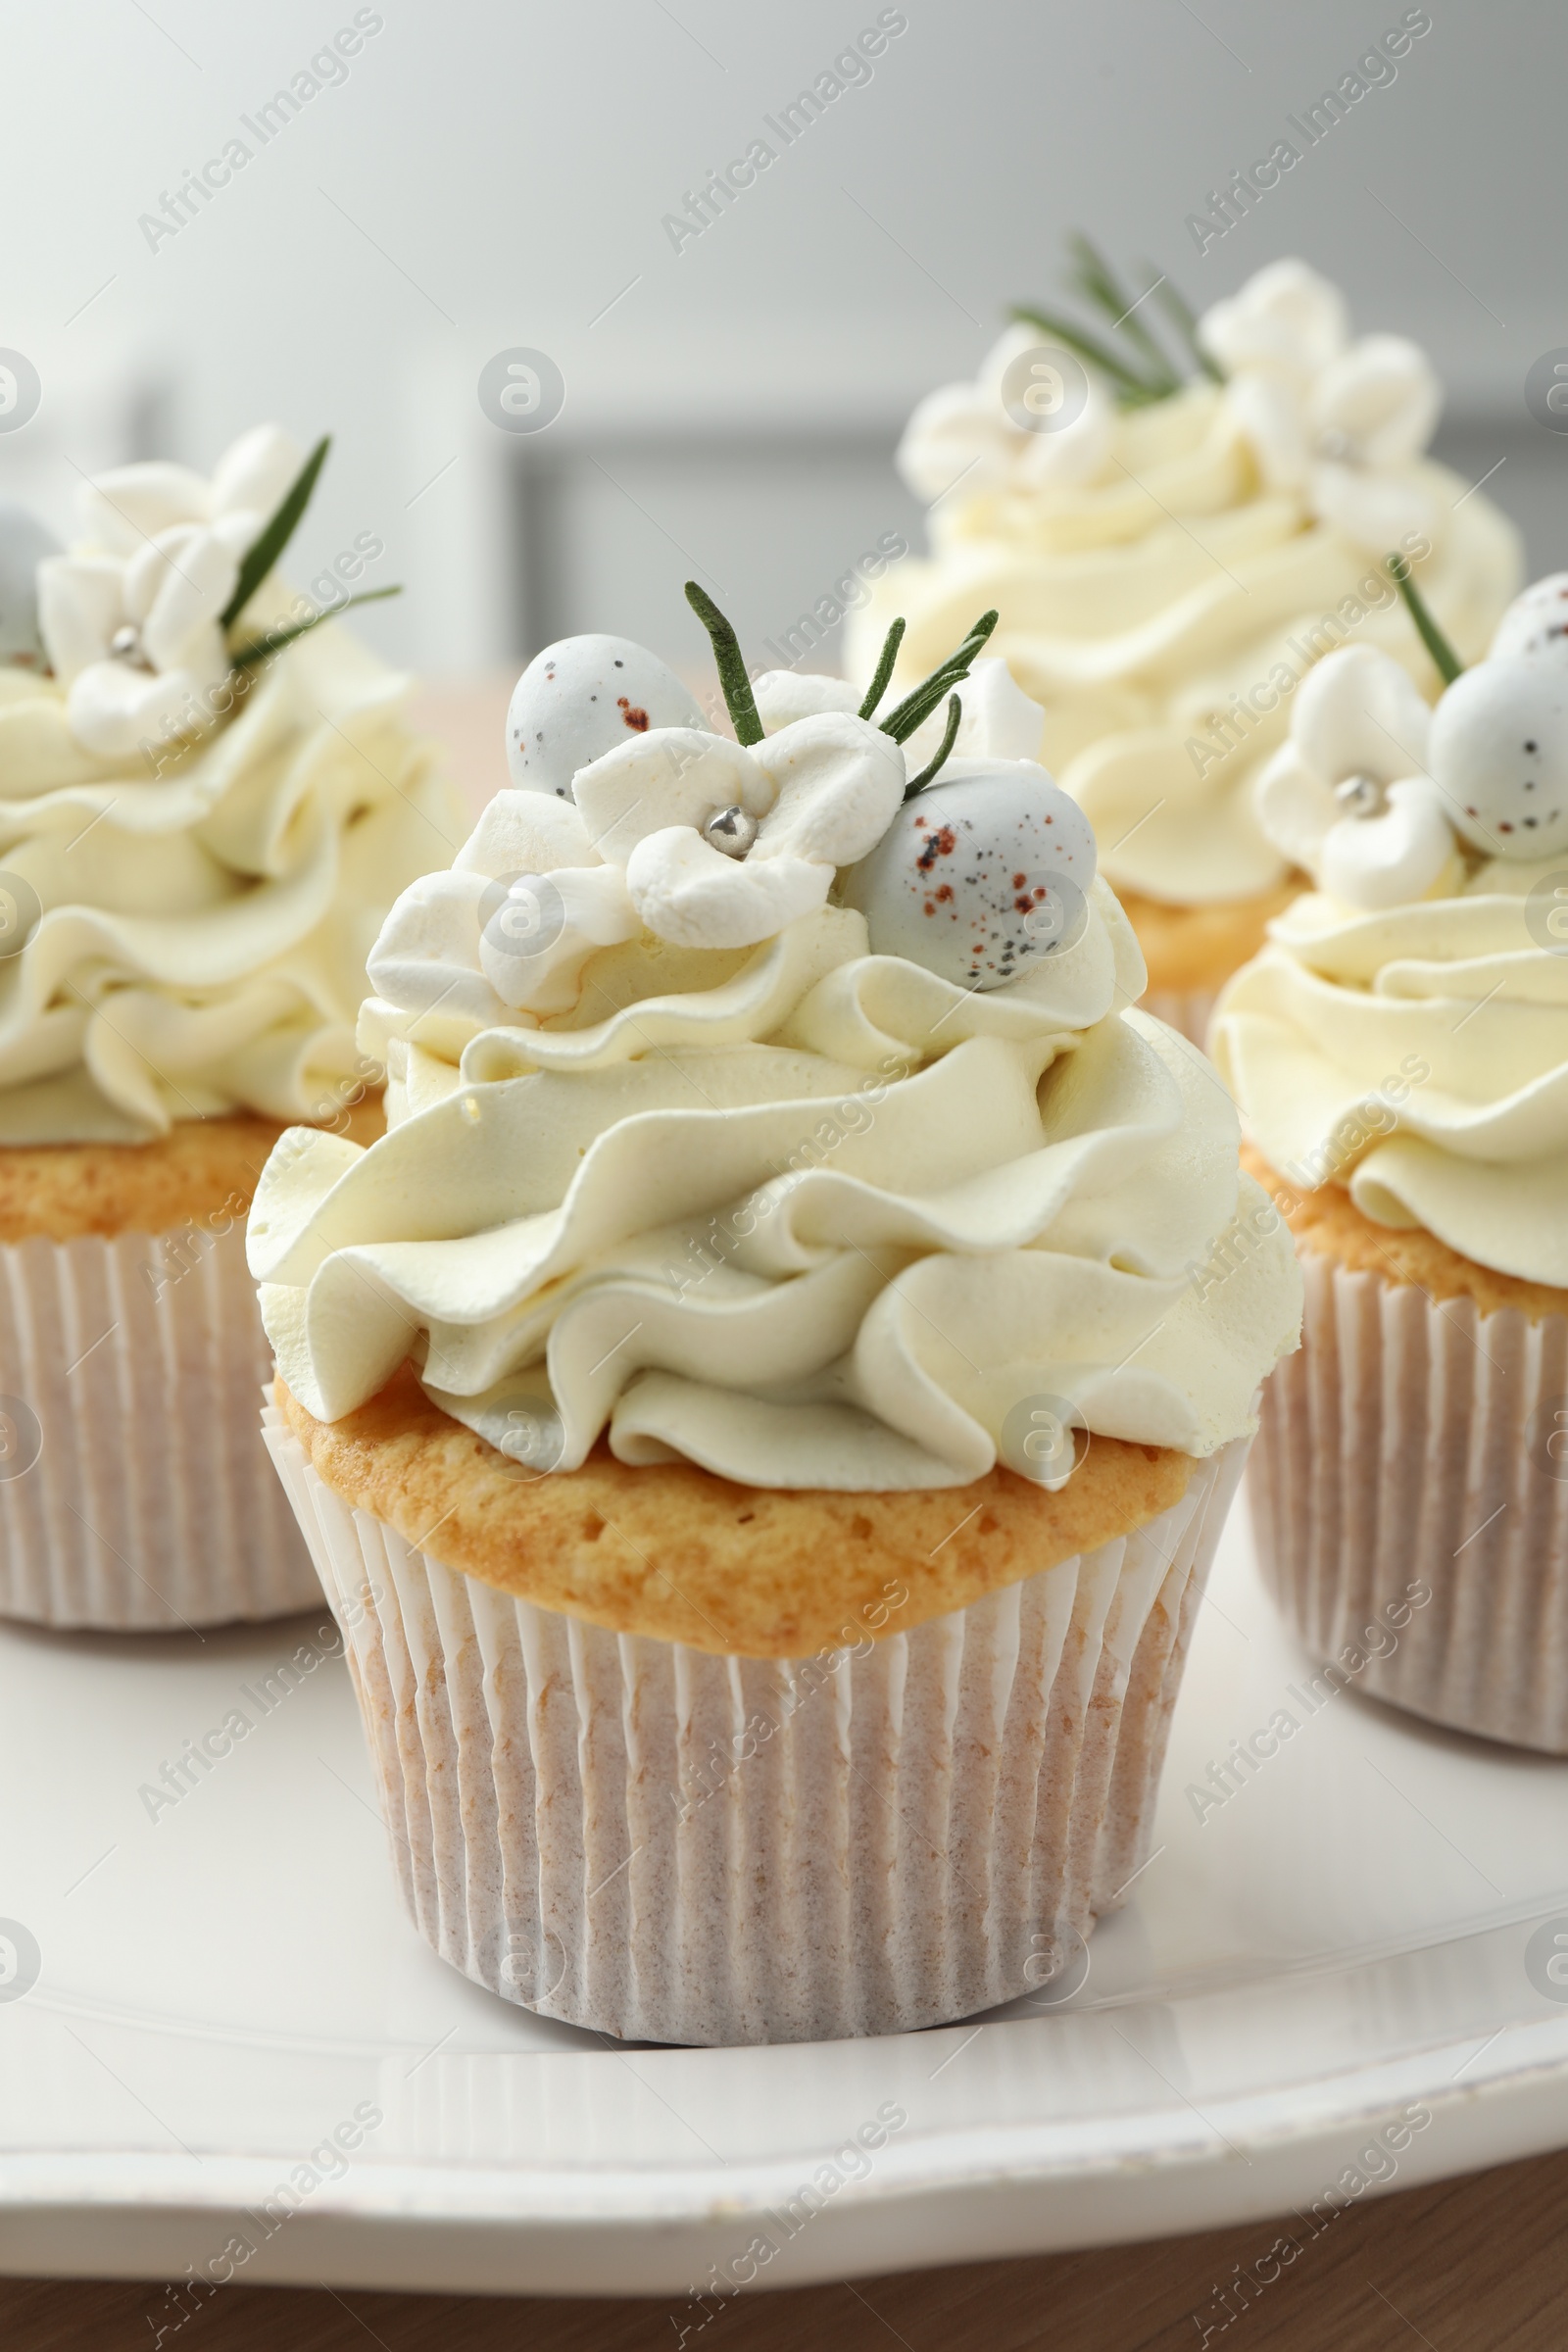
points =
(694, 896)
(1383, 396)
(998, 721)
(81, 602)
(783, 696)
(1389, 859)
(670, 776)
(121, 510)
(840, 784)
(255, 473)
(958, 434)
(1286, 316)
(526, 833)
(1358, 715)
(176, 588)
(118, 712)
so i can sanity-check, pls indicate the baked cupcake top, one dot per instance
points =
(207, 806)
(1171, 556)
(774, 1104)
(1404, 1033)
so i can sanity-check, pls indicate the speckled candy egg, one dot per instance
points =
(1537, 621)
(980, 875)
(579, 699)
(23, 545)
(1498, 751)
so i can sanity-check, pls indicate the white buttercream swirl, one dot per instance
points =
(194, 913)
(1163, 592)
(1419, 1055)
(803, 1214)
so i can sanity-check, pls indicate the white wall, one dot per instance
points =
(490, 175)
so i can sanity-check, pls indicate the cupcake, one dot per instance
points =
(752, 1412)
(1173, 544)
(208, 805)
(1400, 1053)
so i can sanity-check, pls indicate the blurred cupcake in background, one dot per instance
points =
(206, 805)
(1399, 1055)
(751, 1411)
(1172, 544)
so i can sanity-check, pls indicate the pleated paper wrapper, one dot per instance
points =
(1416, 1443)
(672, 1846)
(136, 1495)
(1188, 1010)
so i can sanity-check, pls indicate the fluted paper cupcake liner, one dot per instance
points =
(134, 1494)
(1416, 1445)
(895, 1834)
(1187, 1009)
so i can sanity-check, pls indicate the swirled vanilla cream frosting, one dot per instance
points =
(1418, 1056)
(1167, 574)
(681, 1153)
(199, 842)
(1404, 1033)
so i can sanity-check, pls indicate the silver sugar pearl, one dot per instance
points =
(1361, 795)
(125, 645)
(731, 830)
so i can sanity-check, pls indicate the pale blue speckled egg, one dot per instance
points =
(581, 698)
(979, 877)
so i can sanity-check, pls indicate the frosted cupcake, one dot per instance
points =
(1399, 1053)
(750, 1412)
(1172, 546)
(207, 806)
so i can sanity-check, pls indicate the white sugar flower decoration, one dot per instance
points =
(968, 434)
(724, 847)
(1377, 796)
(543, 883)
(725, 844)
(132, 618)
(1341, 423)
(702, 841)
(1348, 796)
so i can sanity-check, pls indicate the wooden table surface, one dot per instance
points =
(1467, 2266)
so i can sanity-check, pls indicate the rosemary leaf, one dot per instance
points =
(918, 705)
(1447, 661)
(884, 668)
(261, 649)
(1098, 284)
(948, 737)
(264, 552)
(739, 698)
(1098, 355)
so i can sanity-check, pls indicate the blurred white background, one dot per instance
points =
(483, 176)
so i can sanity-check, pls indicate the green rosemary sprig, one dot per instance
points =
(948, 738)
(884, 668)
(1131, 390)
(264, 552)
(261, 649)
(1140, 369)
(1097, 282)
(918, 705)
(1446, 661)
(739, 698)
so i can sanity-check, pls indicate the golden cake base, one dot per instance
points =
(670, 1550)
